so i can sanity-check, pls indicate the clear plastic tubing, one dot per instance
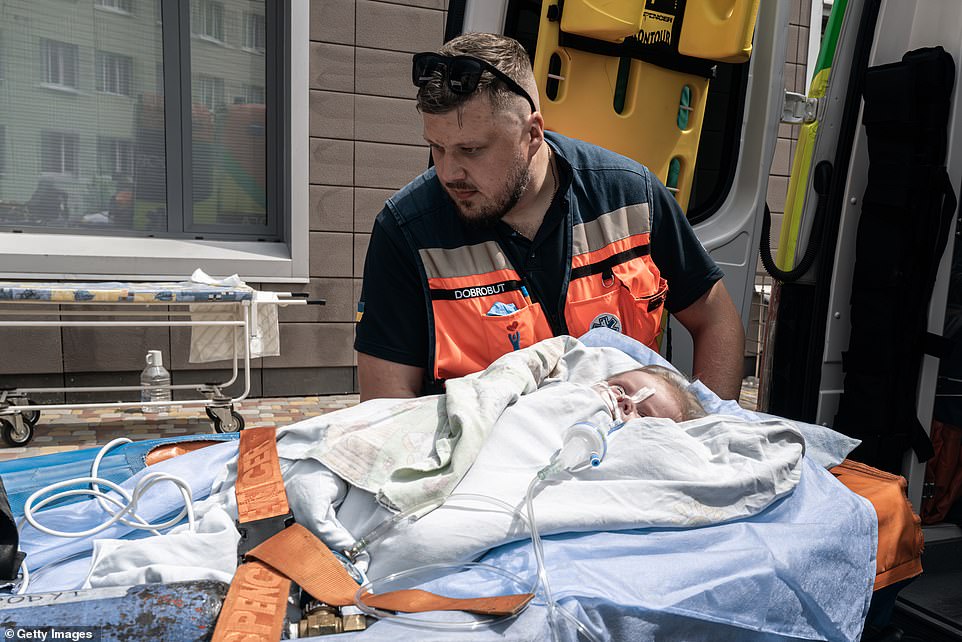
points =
(412, 514)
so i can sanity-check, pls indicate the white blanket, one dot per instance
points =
(656, 473)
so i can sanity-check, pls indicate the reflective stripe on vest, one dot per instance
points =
(613, 283)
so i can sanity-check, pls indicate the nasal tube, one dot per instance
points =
(583, 446)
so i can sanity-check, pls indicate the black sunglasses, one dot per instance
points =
(462, 73)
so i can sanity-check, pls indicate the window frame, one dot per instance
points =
(46, 57)
(67, 156)
(218, 98)
(255, 32)
(107, 67)
(98, 256)
(111, 146)
(112, 6)
(203, 15)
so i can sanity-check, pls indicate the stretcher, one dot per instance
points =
(805, 567)
(238, 311)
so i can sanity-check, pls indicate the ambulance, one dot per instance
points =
(856, 311)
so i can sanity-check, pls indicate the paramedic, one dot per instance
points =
(516, 235)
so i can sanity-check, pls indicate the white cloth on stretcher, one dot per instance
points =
(656, 473)
(217, 343)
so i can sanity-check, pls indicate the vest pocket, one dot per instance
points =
(646, 322)
(467, 340)
(521, 329)
(618, 309)
(600, 311)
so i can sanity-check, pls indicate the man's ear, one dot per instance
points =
(535, 132)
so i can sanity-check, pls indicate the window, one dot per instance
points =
(254, 32)
(207, 19)
(211, 91)
(113, 73)
(115, 156)
(58, 153)
(121, 6)
(60, 63)
(209, 147)
(253, 94)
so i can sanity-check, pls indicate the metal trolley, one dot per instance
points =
(19, 414)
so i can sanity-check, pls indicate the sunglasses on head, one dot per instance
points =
(461, 73)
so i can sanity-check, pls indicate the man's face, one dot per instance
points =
(481, 158)
(664, 403)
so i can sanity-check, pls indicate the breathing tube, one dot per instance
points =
(584, 446)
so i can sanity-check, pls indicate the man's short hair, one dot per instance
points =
(504, 53)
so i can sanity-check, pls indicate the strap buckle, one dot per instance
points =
(260, 530)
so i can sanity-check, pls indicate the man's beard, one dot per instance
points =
(487, 214)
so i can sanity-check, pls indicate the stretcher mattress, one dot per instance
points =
(122, 292)
(774, 575)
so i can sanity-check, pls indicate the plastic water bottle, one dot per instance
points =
(154, 382)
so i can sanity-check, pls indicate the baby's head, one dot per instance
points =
(654, 391)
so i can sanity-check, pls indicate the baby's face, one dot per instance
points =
(663, 403)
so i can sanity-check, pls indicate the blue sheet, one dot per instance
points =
(795, 571)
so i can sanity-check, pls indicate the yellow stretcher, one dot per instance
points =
(632, 76)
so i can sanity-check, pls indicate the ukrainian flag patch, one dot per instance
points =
(360, 311)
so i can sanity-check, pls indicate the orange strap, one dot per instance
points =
(260, 487)
(416, 600)
(254, 608)
(900, 539)
(301, 556)
(256, 601)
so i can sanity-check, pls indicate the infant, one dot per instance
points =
(650, 391)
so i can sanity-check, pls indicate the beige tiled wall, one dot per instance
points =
(365, 144)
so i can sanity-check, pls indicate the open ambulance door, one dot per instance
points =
(690, 88)
(857, 225)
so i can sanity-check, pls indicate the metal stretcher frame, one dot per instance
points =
(19, 416)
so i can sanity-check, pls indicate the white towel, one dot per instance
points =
(216, 343)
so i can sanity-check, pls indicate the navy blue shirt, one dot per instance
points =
(394, 322)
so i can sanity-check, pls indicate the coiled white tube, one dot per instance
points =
(127, 507)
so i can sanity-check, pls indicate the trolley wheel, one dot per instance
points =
(10, 435)
(235, 424)
(30, 416)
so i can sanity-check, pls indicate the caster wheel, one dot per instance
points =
(234, 424)
(30, 416)
(10, 435)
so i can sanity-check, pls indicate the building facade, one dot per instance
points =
(91, 95)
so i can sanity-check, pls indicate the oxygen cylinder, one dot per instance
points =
(183, 611)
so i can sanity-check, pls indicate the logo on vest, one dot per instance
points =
(606, 320)
(484, 290)
(514, 335)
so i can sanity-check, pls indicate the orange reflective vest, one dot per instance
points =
(611, 281)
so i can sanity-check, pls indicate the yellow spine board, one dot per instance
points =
(718, 29)
(612, 22)
(646, 129)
